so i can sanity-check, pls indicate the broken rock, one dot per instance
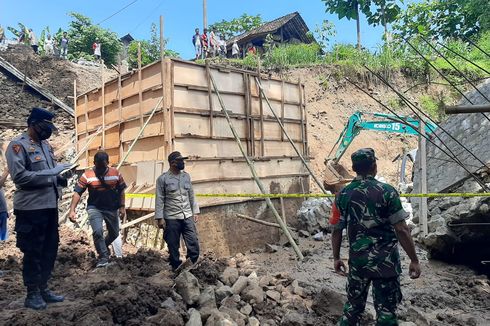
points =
(219, 318)
(274, 295)
(188, 287)
(293, 319)
(207, 302)
(246, 309)
(223, 292)
(252, 321)
(271, 248)
(194, 318)
(230, 276)
(253, 292)
(240, 285)
(235, 315)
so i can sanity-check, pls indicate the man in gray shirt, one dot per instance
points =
(36, 174)
(176, 209)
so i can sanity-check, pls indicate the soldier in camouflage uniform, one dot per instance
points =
(375, 221)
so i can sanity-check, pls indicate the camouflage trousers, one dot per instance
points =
(386, 296)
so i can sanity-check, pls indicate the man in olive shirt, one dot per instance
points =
(176, 209)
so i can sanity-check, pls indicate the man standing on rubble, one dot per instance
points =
(177, 211)
(373, 215)
(38, 180)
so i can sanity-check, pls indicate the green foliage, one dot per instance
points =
(82, 34)
(430, 106)
(292, 55)
(323, 33)
(150, 50)
(444, 19)
(237, 26)
(17, 32)
(376, 11)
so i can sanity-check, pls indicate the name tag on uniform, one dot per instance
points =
(37, 158)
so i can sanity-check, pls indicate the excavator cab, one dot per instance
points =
(335, 174)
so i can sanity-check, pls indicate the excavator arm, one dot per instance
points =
(336, 174)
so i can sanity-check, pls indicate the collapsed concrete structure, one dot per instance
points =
(459, 228)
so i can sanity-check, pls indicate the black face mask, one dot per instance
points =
(43, 131)
(180, 165)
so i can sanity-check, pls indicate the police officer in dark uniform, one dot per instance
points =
(38, 180)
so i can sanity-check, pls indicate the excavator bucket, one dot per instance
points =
(335, 176)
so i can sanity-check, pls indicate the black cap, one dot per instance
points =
(363, 156)
(176, 156)
(38, 114)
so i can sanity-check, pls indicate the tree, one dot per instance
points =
(385, 12)
(150, 50)
(444, 19)
(237, 26)
(324, 33)
(82, 34)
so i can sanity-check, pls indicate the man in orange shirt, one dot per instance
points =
(106, 202)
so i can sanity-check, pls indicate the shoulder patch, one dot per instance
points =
(16, 148)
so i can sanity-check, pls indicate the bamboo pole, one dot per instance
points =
(261, 90)
(255, 176)
(138, 220)
(248, 218)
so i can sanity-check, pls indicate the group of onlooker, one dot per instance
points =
(211, 45)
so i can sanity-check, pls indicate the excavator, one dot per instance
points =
(336, 175)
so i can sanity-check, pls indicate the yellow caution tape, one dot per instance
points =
(432, 195)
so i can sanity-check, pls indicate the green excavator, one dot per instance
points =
(336, 175)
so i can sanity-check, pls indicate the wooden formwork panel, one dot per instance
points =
(113, 155)
(211, 148)
(272, 131)
(146, 149)
(279, 148)
(195, 125)
(199, 100)
(131, 128)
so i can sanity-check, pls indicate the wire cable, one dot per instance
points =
(454, 67)
(442, 75)
(146, 18)
(463, 57)
(129, 4)
(412, 106)
(480, 182)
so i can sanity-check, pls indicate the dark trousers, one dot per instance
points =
(187, 229)
(96, 219)
(386, 296)
(37, 238)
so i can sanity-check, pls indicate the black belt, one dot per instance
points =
(34, 188)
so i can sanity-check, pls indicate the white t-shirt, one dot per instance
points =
(32, 38)
(97, 49)
(235, 49)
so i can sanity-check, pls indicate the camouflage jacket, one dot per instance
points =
(369, 209)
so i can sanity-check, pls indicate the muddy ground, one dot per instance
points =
(131, 291)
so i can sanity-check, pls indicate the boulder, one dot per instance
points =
(246, 309)
(235, 315)
(253, 294)
(230, 276)
(274, 295)
(219, 318)
(207, 302)
(270, 248)
(187, 286)
(240, 285)
(169, 304)
(252, 321)
(223, 292)
(194, 318)
(293, 319)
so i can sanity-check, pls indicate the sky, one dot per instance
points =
(180, 17)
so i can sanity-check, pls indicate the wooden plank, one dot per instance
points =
(169, 105)
(272, 131)
(86, 125)
(146, 149)
(140, 86)
(75, 107)
(303, 116)
(210, 97)
(206, 147)
(196, 125)
(131, 128)
(282, 108)
(261, 111)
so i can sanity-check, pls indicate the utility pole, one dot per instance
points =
(422, 158)
(162, 45)
(205, 14)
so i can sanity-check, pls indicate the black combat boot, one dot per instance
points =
(50, 297)
(34, 300)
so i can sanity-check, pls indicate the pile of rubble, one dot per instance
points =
(240, 296)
